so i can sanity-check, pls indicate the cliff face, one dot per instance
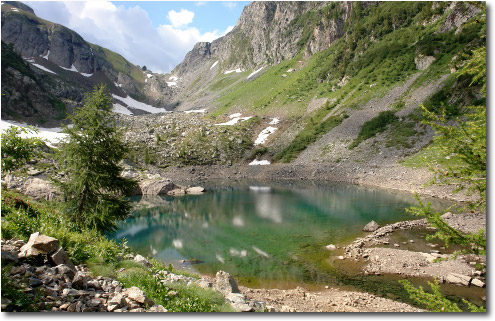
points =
(270, 32)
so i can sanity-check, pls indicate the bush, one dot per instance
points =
(17, 151)
(374, 126)
(22, 216)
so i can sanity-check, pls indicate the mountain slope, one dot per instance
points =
(73, 65)
(351, 61)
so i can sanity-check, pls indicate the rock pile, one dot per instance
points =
(45, 270)
(63, 286)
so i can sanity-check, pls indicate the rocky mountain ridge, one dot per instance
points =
(66, 67)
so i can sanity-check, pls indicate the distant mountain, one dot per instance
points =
(62, 66)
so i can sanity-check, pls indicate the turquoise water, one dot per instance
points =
(268, 233)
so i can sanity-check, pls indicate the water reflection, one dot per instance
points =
(258, 231)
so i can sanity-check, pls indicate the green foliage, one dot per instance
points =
(257, 152)
(21, 216)
(310, 134)
(464, 139)
(435, 302)
(121, 64)
(14, 291)
(17, 151)
(400, 134)
(10, 58)
(94, 191)
(473, 243)
(187, 299)
(374, 126)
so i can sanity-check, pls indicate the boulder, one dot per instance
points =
(371, 227)
(177, 191)
(9, 257)
(154, 187)
(478, 283)
(423, 62)
(39, 189)
(129, 173)
(38, 244)
(195, 190)
(80, 281)
(65, 270)
(137, 295)
(117, 301)
(141, 260)
(157, 308)
(458, 279)
(61, 257)
(331, 247)
(225, 283)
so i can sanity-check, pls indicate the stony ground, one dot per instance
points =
(328, 300)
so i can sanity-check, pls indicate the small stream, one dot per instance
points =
(269, 235)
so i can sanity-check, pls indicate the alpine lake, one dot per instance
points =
(274, 234)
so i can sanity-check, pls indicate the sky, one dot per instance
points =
(155, 34)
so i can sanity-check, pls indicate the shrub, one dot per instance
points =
(374, 126)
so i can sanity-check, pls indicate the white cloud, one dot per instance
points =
(229, 29)
(200, 3)
(129, 31)
(230, 4)
(181, 18)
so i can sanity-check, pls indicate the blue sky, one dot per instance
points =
(208, 15)
(157, 34)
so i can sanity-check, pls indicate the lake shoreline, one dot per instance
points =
(396, 178)
(393, 178)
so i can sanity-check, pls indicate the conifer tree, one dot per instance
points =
(93, 190)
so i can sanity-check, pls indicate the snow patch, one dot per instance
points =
(234, 118)
(51, 135)
(86, 75)
(254, 73)
(216, 62)
(195, 111)
(139, 105)
(47, 55)
(118, 85)
(274, 121)
(43, 68)
(171, 83)
(238, 70)
(72, 68)
(173, 78)
(264, 135)
(118, 108)
(149, 75)
(260, 162)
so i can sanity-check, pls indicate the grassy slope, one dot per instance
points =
(373, 67)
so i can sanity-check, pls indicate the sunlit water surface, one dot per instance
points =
(265, 234)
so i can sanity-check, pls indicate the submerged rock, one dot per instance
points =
(371, 227)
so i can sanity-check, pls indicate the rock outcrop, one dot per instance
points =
(371, 227)
(154, 187)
